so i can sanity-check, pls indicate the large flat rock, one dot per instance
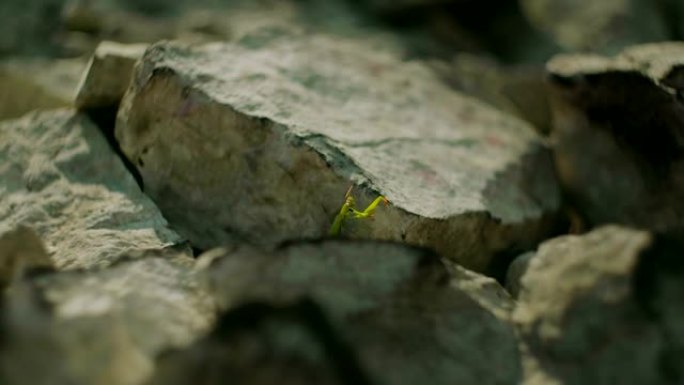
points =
(617, 128)
(349, 312)
(60, 177)
(603, 308)
(258, 140)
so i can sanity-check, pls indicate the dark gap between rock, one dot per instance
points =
(251, 315)
(105, 119)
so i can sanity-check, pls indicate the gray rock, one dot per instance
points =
(350, 312)
(60, 177)
(516, 271)
(109, 72)
(603, 308)
(264, 141)
(30, 84)
(102, 327)
(262, 345)
(616, 134)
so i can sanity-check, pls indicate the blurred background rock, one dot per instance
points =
(478, 46)
(512, 31)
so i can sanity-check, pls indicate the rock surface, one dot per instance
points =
(592, 306)
(519, 90)
(60, 177)
(101, 327)
(349, 312)
(515, 272)
(21, 251)
(109, 72)
(264, 141)
(618, 134)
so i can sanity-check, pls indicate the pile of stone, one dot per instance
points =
(168, 219)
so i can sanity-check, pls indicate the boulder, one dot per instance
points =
(256, 141)
(60, 177)
(349, 312)
(102, 326)
(603, 308)
(108, 74)
(618, 124)
(21, 251)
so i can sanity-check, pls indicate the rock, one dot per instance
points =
(266, 147)
(384, 6)
(31, 84)
(600, 26)
(60, 177)
(616, 133)
(21, 250)
(349, 312)
(520, 90)
(108, 74)
(486, 291)
(104, 326)
(261, 344)
(604, 308)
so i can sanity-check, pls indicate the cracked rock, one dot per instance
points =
(60, 177)
(619, 124)
(102, 327)
(591, 306)
(259, 139)
(349, 312)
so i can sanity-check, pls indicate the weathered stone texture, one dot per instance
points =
(60, 177)
(602, 308)
(264, 136)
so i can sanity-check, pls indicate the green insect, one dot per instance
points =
(348, 210)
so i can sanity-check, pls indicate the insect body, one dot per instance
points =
(348, 210)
